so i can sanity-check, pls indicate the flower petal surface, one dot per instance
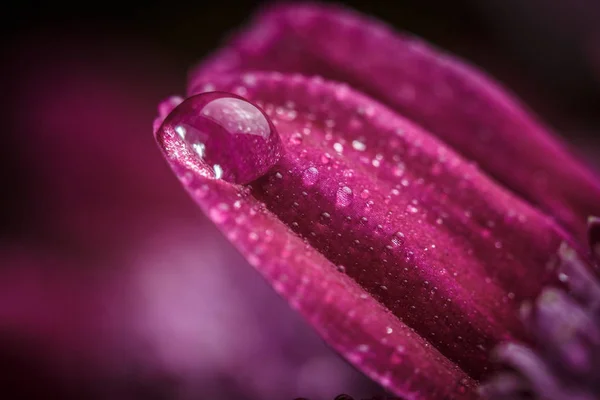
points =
(451, 99)
(403, 255)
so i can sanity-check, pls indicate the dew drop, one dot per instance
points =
(398, 169)
(358, 145)
(363, 348)
(217, 214)
(344, 196)
(310, 175)
(398, 238)
(296, 138)
(412, 209)
(226, 133)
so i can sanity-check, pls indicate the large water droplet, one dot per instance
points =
(232, 136)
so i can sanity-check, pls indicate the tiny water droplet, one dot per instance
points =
(398, 238)
(226, 133)
(218, 171)
(358, 145)
(296, 138)
(398, 169)
(310, 175)
(363, 348)
(563, 277)
(325, 158)
(344, 196)
(412, 209)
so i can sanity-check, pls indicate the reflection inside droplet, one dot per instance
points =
(230, 136)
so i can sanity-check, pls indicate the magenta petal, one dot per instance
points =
(342, 312)
(395, 248)
(452, 100)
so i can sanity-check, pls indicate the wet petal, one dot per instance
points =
(368, 225)
(454, 101)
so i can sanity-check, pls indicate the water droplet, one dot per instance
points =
(363, 348)
(412, 209)
(398, 169)
(296, 138)
(358, 145)
(310, 175)
(398, 238)
(217, 214)
(229, 135)
(344, 196)
(563, 277)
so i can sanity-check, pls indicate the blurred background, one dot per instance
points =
(112, 285)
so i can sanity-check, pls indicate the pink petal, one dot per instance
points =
(453, 100)
(427, 241)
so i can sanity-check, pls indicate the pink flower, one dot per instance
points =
(400, 200)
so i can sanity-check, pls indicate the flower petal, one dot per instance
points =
(350, 320)
(428, 242)
(456, 102)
